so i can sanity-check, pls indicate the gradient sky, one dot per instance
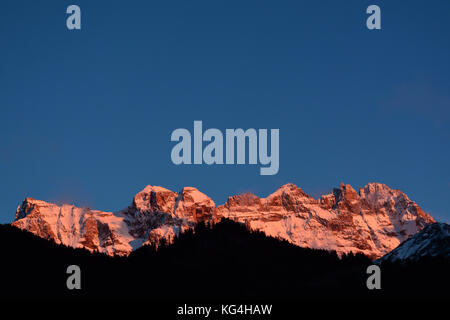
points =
(86, 116)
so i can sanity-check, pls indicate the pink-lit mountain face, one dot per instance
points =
(372, 222)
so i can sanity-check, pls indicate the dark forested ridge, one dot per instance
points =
(223, 262)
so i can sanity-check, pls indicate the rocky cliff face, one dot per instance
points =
(372, 221)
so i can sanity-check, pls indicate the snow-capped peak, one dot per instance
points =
(433, 240)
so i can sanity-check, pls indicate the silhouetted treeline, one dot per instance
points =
(226, 261)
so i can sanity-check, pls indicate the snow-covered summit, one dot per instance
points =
(433, 240)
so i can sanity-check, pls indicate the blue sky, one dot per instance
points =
(86, 116)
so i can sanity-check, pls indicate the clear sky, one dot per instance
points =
(86, 116)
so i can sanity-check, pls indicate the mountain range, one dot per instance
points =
(373, 221)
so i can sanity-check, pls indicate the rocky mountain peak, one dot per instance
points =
(29, 206)
(346, 198)
(194, 205)
(155, 199)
